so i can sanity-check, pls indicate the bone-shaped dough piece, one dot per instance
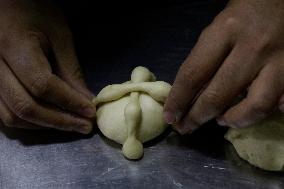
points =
(131, 113)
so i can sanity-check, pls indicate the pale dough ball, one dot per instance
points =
(261, 144)
(131, 113)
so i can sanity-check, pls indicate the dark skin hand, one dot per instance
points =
(33, 92)
(241, 50)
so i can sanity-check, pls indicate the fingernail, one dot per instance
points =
(172, 118)
(86, 129)
(89, 111)
(169, 118)
(186, 127)
(221, 122)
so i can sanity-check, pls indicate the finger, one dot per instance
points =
(263, 96)
(23, 106)
(68, 67)
(236, 73)
(205, 58)
(32, 68)
(9, 119)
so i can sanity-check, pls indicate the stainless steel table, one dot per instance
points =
(159, 38)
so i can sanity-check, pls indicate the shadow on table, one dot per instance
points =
(208, 140)
(148, 144)
(43, 136)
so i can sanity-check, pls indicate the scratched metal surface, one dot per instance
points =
(159, 38)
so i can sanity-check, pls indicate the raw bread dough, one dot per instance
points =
(131, 113)
(261, 144)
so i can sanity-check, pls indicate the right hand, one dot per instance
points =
(241, 51)
(33, 92)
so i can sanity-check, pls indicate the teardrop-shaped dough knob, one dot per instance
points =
(132, 148)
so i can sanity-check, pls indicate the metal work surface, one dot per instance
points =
(160, 39)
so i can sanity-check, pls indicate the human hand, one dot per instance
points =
(243, 48)
(41, 84)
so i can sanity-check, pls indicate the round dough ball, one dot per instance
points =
(131, 113)
(111, 119)
(261, 144)
(132, 148)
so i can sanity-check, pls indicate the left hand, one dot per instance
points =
(41, 83)
(242, 48)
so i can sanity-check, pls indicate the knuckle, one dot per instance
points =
(24, 108)
(231, 22)
(35, 37)
(221, 28)
(261, 44)
(212, 99)
(226, 22)
(41, 85)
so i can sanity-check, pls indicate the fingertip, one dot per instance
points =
(225, 121)
(84, 129)
(172, 118)
(89, 111)
(88, 130)
(175, 106)
(169, 117)
(229, 123)
(178, 127)
(186, 127)
(221, 121)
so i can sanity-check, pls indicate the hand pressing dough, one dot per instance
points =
(131, 113)
(261, 144)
